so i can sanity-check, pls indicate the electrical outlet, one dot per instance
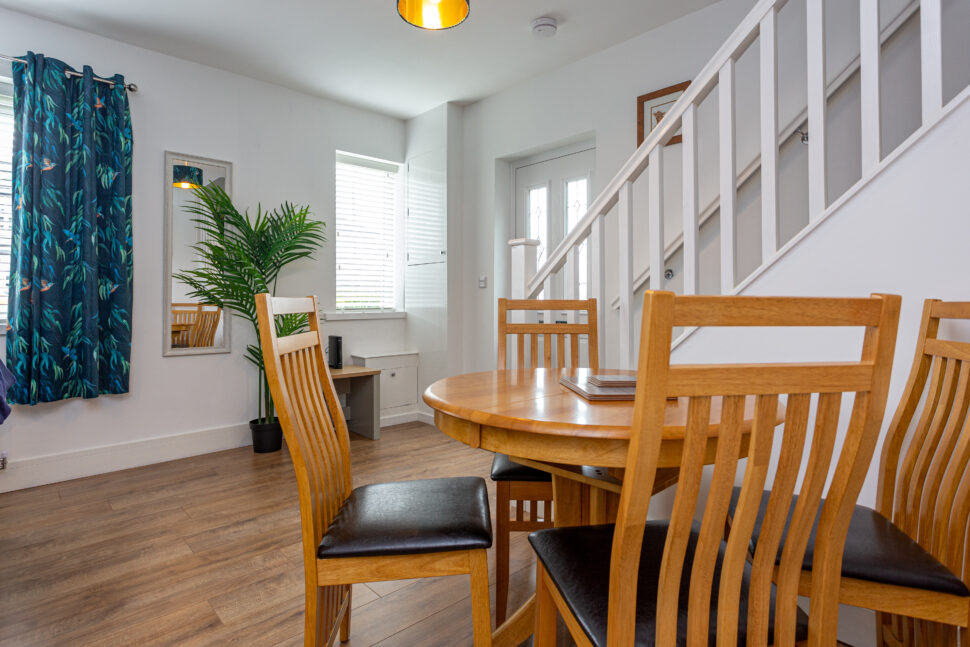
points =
(483, 281)
(3, 460)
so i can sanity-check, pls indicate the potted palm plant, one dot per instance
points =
(240, 257)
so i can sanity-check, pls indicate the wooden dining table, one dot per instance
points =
(530, 416)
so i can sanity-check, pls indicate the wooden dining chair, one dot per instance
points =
(202, 334)
(378, 532)
(677, 581)
(184, 316)
(523, 499)
(907, 559)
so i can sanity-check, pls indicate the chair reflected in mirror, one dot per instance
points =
(194, 325)
(184, 316)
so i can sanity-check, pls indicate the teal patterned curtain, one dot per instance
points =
(69, 331)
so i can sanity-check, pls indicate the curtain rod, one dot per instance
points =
(131, 87)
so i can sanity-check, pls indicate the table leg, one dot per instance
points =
(603, 506)
(571, 501)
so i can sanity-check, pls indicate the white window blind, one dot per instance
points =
(6, 191)
(367, 222)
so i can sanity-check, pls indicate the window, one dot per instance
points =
(6, 191)
(368, 234)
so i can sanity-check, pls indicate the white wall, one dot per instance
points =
(426, 283)
(282, 147)
(432, 282)
(903, 233)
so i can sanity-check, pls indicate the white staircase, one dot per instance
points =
(759, 28)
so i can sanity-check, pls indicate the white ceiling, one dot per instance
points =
(360, 51)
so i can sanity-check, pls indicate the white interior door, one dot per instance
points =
(551, 195)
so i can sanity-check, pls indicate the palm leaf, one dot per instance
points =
(241, 256)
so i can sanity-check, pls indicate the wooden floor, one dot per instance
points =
(206, 551)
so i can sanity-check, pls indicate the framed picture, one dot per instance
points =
(652, 106)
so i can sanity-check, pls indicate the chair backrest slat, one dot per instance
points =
(556, 345)
(792, 555)
(203, 331)
(762, 568)
(759, 459)
(186, 315)
(922, 484)
(713, 520)
(720, 569)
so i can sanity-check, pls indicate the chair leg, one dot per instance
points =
(312, 636)
(481, 614)
(545, 611)
(502, 533)
(345, 622)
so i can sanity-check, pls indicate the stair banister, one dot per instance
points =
(697, 91)
(761, 21)
(870, 125)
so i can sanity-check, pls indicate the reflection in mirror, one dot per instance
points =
(191, 328)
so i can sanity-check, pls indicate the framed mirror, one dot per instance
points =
(190, 327)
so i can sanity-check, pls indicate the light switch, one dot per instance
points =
(483, 281)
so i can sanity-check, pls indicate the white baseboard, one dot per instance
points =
(54, 468)
(398, 418)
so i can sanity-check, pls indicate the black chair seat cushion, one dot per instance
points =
(410, 517)
(876, 551)
(505, 469)
(578, 561)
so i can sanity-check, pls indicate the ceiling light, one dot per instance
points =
(186, 177)
(433, 14)
(544, 27)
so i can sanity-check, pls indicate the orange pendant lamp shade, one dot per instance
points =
(433, 14)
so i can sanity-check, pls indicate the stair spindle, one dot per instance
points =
(625, 273)
(869, 54)
(769, 134)
(931, 57)
(728, 172)
(691, 265)
(817, 181)
(655, 216)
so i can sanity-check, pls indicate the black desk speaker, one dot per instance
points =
(335, 352)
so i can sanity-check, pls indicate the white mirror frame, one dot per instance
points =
(167, 350)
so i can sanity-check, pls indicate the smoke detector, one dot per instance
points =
(544, 27)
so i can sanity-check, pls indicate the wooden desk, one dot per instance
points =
(363, 397)
(530, 416)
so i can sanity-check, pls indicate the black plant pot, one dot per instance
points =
(267, 436)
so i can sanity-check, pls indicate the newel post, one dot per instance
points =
(523, 251)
